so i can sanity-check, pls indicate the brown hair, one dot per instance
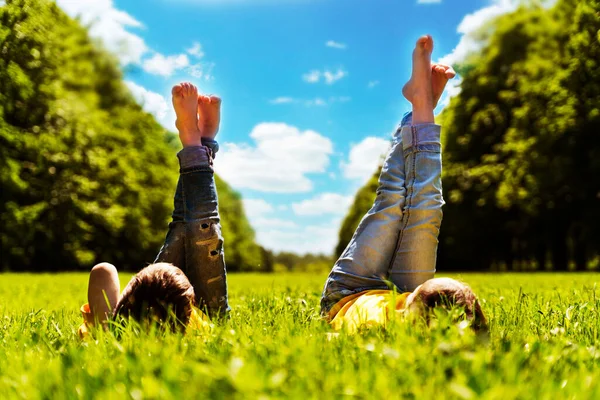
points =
(158, 292)
(449, 293)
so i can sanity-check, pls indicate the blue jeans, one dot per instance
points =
(395, 244)
(194, 242)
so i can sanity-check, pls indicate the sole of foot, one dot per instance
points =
(209, 111)
(440, 75)
(418, 89)
(185, 103)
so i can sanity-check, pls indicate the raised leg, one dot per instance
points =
(414, 259)
(195, 239)
(365, 262)
(173, 249)
(392, 224)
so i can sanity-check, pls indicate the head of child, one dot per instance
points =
(447, 293)
(159, 293)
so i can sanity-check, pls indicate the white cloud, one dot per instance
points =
(316, 102)
(470, 42)
(372, 84)
(110, 25)
(324, 203)
(319, 102)
(282, 100)
(469, 26)
(364, 158)
(335, 45)
(312, 77)
(328, 76)
(279, 233)
(332, 77)
(196, 50)
(340, 99)
(257, 207)
(279, 160)
(315, 238)
(201, 70)
(159, 64)
(153, 103)
(258, 212)
(262, 224)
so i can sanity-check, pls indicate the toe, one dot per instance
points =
(450, 73)
(176, 91)
(215, 100)
(193, 90)
(425, 42)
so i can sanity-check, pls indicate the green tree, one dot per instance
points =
(86, 174)
(521, 145)
(363, 200)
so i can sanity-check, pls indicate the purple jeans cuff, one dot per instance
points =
(195, 156)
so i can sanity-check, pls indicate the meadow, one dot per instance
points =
(543, 344)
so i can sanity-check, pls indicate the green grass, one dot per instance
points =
(543, 345)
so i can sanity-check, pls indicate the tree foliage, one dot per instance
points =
(522, 145)
(86, 174)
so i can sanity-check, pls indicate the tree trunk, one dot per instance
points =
(540, 256)
(560, 260)
(580, 257)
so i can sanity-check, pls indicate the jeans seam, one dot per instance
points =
(408, 202)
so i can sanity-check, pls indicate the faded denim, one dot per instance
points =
(395, 244)
(194, 241)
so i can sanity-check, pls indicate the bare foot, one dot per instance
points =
(209, 110)
(185, 103)
(440, 75)
(418, 89)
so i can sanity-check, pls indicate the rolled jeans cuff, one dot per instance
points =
(195, 157)
(421, 135)
(406, 120)
(212, 145)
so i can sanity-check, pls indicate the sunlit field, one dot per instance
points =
(543, 344)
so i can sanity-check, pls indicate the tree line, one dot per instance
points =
(86, 175)
(521, 147)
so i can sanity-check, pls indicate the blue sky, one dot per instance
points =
(311, 89)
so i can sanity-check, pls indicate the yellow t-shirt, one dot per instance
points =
(198, 321)
(364, 309)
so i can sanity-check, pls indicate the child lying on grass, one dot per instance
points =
(397, 239)
(189, 270)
